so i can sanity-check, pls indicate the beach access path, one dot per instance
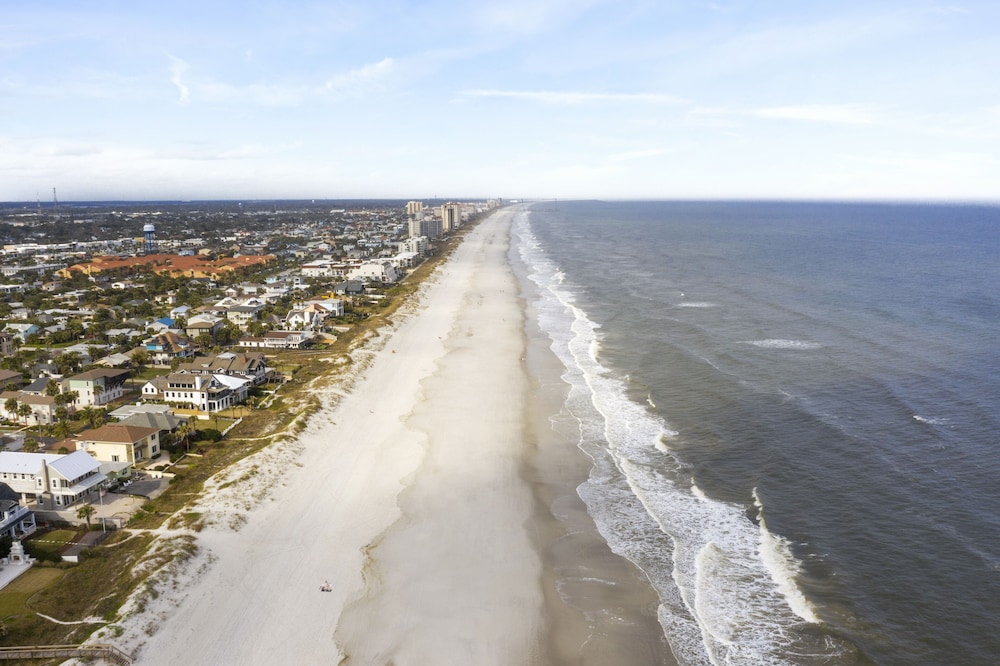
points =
(404, 494)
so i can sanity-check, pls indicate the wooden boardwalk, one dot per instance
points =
(107, 652)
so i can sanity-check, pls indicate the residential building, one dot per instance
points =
(312, 315)
(167, 346)
(350, 288)
(203, 324)
(279, 340)
(51, 480)
(97, 387)
(6, 343)
(206, 393)
(451, 217)
(248, 365)
(242, 315)
(16, 521)
(380, 271)
(416, 244)
(23, 331)
(11, 379)
(43, 408)
(119, 442)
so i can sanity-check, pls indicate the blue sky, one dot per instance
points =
(519, 98)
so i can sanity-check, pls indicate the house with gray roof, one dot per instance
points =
(51, 481)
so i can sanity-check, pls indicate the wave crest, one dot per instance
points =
(777, 343)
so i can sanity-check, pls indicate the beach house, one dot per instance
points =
(116, 442)
(51, 480)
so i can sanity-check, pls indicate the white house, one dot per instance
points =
(381, 271)
(206, 393)
(53, 481)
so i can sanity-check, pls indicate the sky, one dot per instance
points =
(617, 99)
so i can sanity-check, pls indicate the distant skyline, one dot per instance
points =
(515, 99)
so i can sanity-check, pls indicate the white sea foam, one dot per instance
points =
(698, 492)
(696, 304)
(930, 420)
(725, 596)
(776, 553)
(772, 343)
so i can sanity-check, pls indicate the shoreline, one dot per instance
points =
(603, 609)
(436, 551)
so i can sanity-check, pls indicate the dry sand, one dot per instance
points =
(420, 495)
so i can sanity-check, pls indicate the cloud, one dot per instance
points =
(177, 71)
(255, 93)
(572, 97)
(524, 17)
(835, 114)
(839, 114)
(364, 77)
(636, 155)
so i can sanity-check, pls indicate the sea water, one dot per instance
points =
(793, 412)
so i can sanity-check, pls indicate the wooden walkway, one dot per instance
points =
(107, 652)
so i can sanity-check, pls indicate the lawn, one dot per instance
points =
(53, 541)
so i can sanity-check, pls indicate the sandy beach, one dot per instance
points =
(434, 494)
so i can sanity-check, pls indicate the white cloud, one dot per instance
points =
(574, 97)
(177, 71)
(528, 16)
(362, 78)
(841, 114)
(256, 93)
(637, 155)
(836, 114)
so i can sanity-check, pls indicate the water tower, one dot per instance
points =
(148, 233)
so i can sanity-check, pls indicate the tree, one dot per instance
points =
(24, 411)
(62, 429)
(88, 414)
(67, 398)
(184, 432)
(52, 387)
(140, 357)
(86, 512)
(10, 405)
(69, 362)
(30, 445)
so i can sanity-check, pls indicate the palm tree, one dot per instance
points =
(24, 411)
(62, 429)
(88, 414)
(184, 432)
(10, 406)
(86, 512)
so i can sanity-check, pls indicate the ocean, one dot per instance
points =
(793, 412)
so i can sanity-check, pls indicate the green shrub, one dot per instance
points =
(211, 434)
